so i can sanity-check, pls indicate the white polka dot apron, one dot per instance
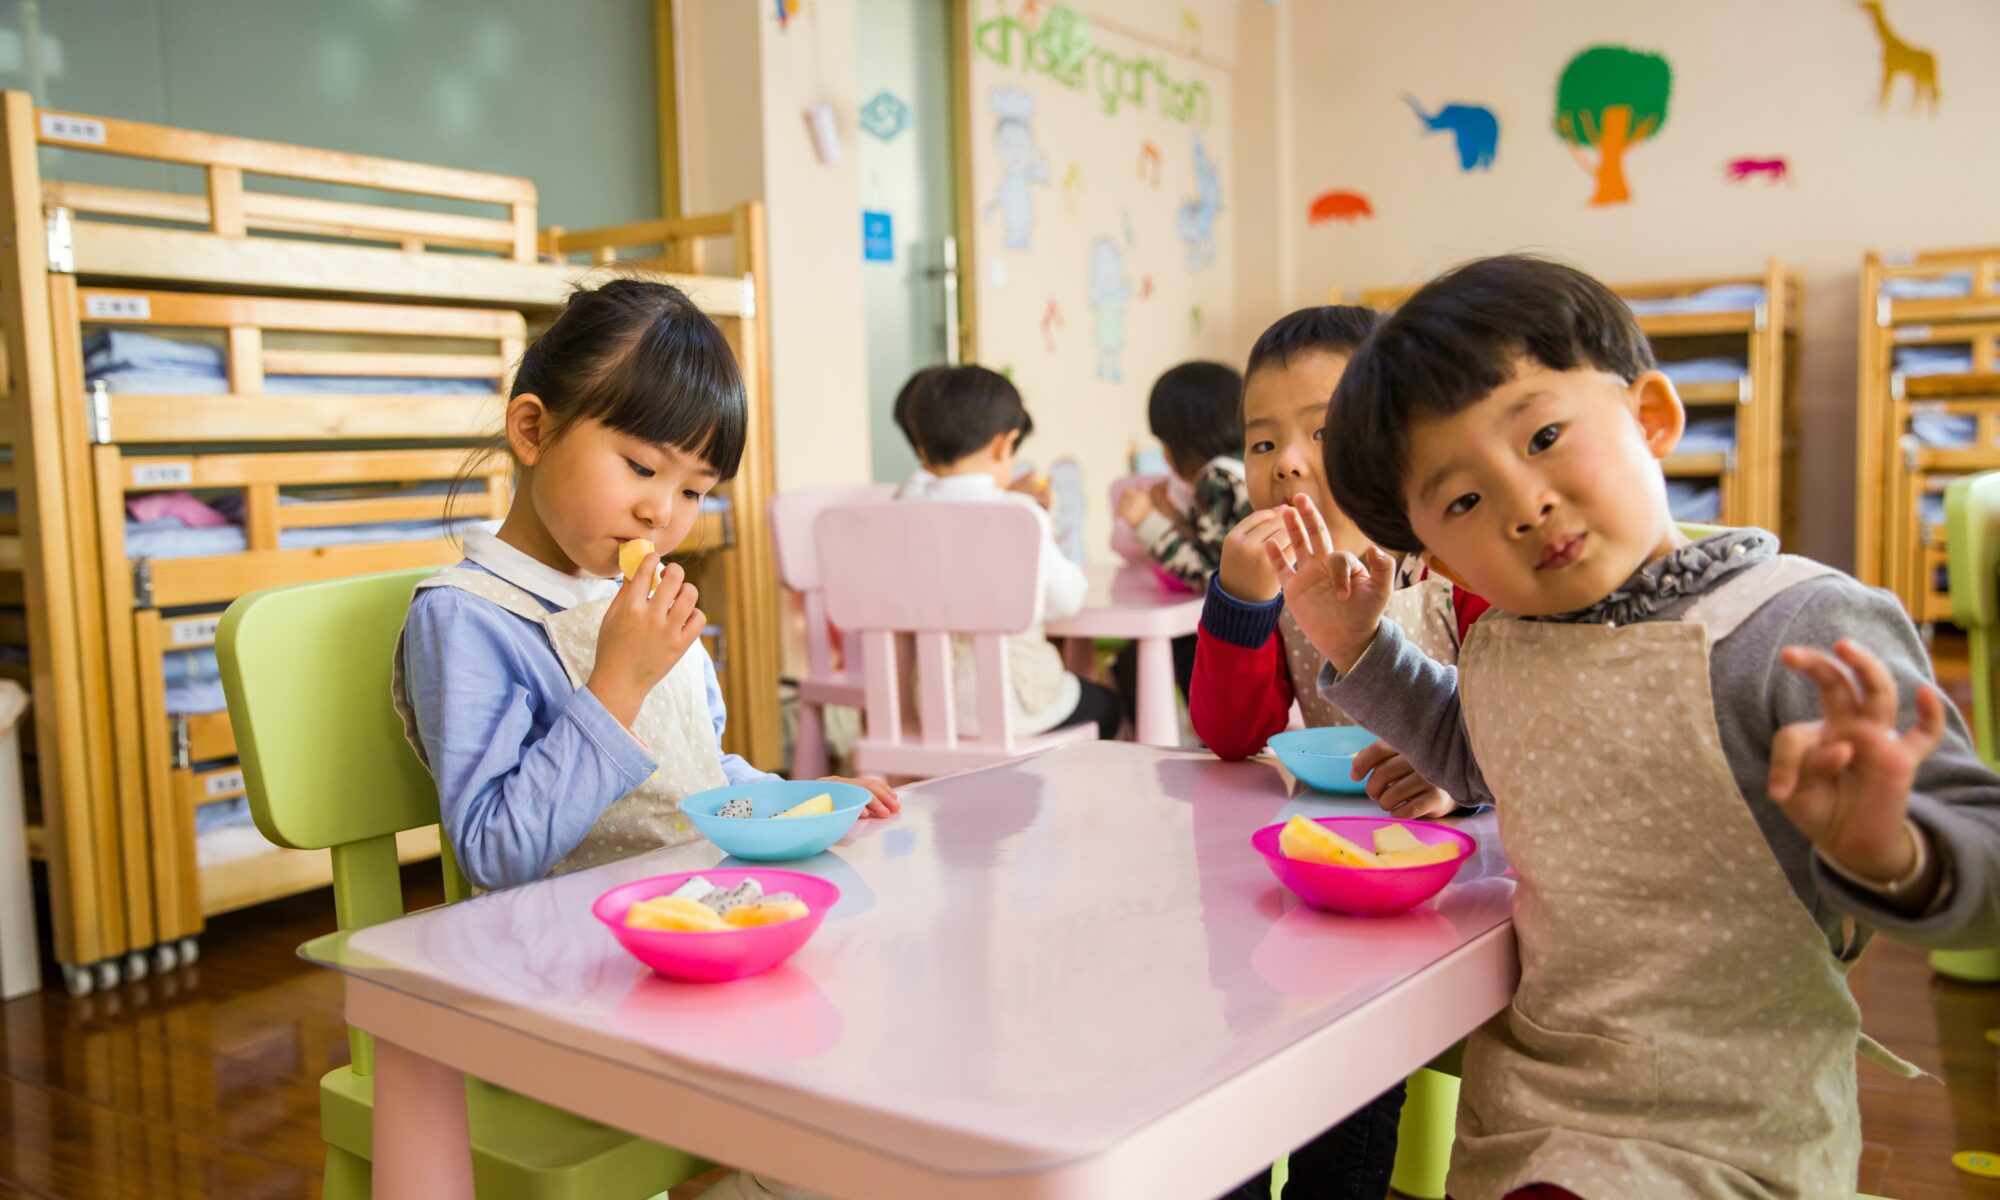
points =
(673, 721)
(1681, 1028)
(1423, 611)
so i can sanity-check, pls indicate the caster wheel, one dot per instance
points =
(190, 951)
(165, 957)
(77, 980)
(136, 966)
(107, 974)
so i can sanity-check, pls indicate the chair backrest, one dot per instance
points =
(1972, 549)
(793, 516)
(1123, 543)
(307, 672)
(932, 569)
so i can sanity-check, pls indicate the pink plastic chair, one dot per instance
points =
(932, 570)
(793, 515)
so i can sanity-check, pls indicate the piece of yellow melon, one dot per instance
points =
(1395, 837)
(631, 554)
(817, 806)
(674, 914)
(1422, 856)
(745, 915)
(1309, 841)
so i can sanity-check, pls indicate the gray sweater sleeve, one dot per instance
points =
(1955, 799)
(1410, 700)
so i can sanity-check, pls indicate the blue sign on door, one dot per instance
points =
(878, 239)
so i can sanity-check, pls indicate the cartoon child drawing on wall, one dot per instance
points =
(1109, 289)
(1197, 216)
(1021, 164)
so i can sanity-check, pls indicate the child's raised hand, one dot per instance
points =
(1844, 780)
(882, 798)
(1396, 786)
(1133, 505)
(1035, 487)
(643, 636)
(1246, 573)
(1336, 598)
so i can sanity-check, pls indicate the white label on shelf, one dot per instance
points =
(1930, 408)
(197, 632)
(165, 474)
(1899, 258)
(1913, 333)
(227, 781)
(118, 308)
(72, 129)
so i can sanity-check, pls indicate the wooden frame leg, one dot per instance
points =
(1158, 718)
(422, 1147)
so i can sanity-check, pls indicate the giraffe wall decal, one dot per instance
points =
(1901, 58)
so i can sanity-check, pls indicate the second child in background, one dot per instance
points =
(966, 423)
(1192, 411)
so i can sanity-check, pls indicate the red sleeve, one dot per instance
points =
(1239, 697)
(1467, 608)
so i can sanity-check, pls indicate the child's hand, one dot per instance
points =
(1396, 786)
(884, 804)
(1844, 780)
(642, 638)
(1246, 573)
(1336, 598)
(1036, 488)
(1134, 505)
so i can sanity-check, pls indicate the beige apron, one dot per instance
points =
(1681, 1026)
(1422, 610)
(674, 723)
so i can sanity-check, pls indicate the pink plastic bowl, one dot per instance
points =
(1364, 891)
(715, 957)
(1168, 580)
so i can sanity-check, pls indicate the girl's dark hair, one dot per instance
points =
(906, 401)
(1454, 343)
(640, 358)
(1193, 411)
(957, 410)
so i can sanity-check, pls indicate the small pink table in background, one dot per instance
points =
(1132, 602)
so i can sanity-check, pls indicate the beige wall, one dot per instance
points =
(744, 87)
(1078, 409)
(1796, 78)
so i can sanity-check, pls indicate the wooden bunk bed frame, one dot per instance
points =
(1758, 479)
(1894, 546)
(285, 285)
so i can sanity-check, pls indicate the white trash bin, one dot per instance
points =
(20, 954)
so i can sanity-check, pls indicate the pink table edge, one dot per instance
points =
(1154, 620)
(1201, 1149)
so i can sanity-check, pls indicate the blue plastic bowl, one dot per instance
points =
(1323, 758)
(761, 838)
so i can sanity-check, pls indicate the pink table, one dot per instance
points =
(1131, 602)
(1005, 1005)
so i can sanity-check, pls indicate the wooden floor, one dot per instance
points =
(203, 1082)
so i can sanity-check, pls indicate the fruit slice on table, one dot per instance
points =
(817, 806)
(1309, 841)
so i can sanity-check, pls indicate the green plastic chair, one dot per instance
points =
(307, 674)
(1972, 549)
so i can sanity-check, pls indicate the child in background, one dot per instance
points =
(563, 715)
(1251, 660)
(1714, 765)
(966, 423)
(1192, 412)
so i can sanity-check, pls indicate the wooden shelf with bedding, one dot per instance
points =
(1750, 319)
(1927, 411)
(341, 344)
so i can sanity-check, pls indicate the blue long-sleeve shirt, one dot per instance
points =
(525, 761)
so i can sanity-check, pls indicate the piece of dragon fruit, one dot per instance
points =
(739, 807)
